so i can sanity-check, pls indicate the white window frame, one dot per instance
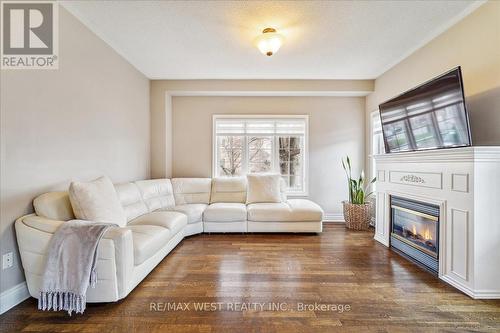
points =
(275, 162)
(373, 116)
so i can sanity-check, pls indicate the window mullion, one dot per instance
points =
(245, 149)
(245, 156)
(275, 153)
(303, 161)
(217, 157)
(289, 171)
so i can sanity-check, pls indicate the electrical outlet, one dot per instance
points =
(7, 260)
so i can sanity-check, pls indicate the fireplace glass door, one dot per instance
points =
(415, 225)
(416, 229)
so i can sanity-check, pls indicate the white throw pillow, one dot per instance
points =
(97, 201)
(263, 188)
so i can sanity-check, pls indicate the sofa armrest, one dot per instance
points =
(121, 243)
(115, 257)
(42, 223)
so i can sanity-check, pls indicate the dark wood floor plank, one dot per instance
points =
(385, 292)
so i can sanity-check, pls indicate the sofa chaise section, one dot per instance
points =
(294, 215)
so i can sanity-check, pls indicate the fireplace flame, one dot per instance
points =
(427, 235)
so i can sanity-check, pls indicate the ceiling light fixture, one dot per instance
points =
(269, 42)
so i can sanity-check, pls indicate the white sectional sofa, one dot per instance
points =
(160, 213)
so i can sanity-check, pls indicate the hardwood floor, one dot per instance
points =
(378, 290)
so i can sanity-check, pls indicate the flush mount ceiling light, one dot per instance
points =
(269, 42)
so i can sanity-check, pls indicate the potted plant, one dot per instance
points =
(357, 211)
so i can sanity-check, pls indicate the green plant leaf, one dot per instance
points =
(359, 197)
(357, 187)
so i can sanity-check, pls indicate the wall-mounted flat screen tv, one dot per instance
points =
(430, 116)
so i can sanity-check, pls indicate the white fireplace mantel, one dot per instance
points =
(465, 184)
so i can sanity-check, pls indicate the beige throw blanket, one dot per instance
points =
(70, 267)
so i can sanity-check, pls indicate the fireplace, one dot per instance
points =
(415, 231)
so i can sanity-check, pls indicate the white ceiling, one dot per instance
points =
(214, 39)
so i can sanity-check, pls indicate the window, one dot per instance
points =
(262, 144)
(377, 142)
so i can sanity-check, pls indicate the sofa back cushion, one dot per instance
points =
(229, 189)
(264, 188)
(131, 200)
(192, 190)
(157, 194)
(54, 206)
(97, 201)
(283, 190)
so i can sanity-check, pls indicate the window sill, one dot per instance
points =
(297, 195)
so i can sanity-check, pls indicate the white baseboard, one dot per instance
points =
(476, 294)
(381, 240)
(333, 218)
(486, 294)
(13, 296)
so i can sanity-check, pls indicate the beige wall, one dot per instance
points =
(90, 117)
(335, 130)
(161, 112)
(474, 44)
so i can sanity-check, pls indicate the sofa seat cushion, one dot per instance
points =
(148, 240)
(225, 212)
(173, 221)
(194, 212)
(294, 210)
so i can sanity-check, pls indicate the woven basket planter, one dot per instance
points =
(357, 216)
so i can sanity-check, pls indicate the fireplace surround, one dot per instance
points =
(464, 185)
(415, 231)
